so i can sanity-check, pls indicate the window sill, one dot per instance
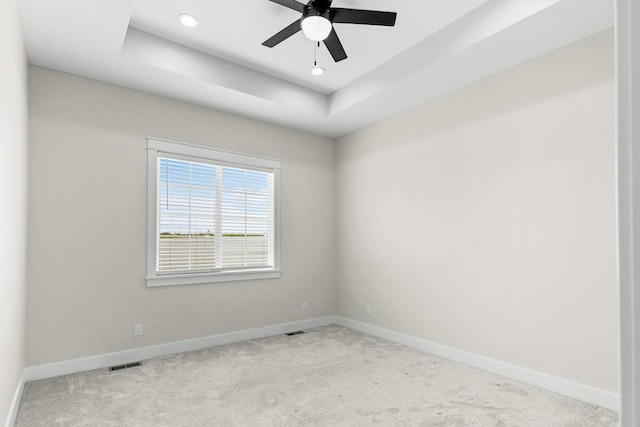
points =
(196, 278)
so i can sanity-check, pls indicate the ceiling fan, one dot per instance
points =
(317, 22)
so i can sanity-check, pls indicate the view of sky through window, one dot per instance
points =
(190, 194)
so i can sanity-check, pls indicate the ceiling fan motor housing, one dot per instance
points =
(317, 8)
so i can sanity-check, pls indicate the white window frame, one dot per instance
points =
(158, 147)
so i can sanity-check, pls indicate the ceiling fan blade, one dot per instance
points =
(283, 34)
(335, 47)
(291, 4)
(360, 16)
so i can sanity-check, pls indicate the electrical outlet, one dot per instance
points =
(305, 306)
(369, 310)
(137, 330)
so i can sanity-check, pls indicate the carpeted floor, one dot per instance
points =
(329, 376)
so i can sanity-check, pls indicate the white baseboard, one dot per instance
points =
(581, 392)
(128, 356)
(577, 391)
(15, 403)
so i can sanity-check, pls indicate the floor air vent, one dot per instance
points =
(128, 365)
(295, 333)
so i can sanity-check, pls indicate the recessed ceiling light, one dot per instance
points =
(188, 20)
(317, 71)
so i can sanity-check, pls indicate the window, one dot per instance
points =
(212, 215)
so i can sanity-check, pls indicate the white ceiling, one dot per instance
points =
(436, 47)
(250, 22)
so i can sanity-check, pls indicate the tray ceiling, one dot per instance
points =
(436, 47)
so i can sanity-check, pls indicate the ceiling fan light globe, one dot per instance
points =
(316, 28)
(317, 71)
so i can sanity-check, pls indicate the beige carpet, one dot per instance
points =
(329, 376)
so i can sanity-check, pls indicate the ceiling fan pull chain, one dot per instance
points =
(316, 71)
(315, 53)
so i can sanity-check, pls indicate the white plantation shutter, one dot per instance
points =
(209, 215)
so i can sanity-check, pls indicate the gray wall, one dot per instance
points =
(87, 224)
(13, 190)
(486, 221)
